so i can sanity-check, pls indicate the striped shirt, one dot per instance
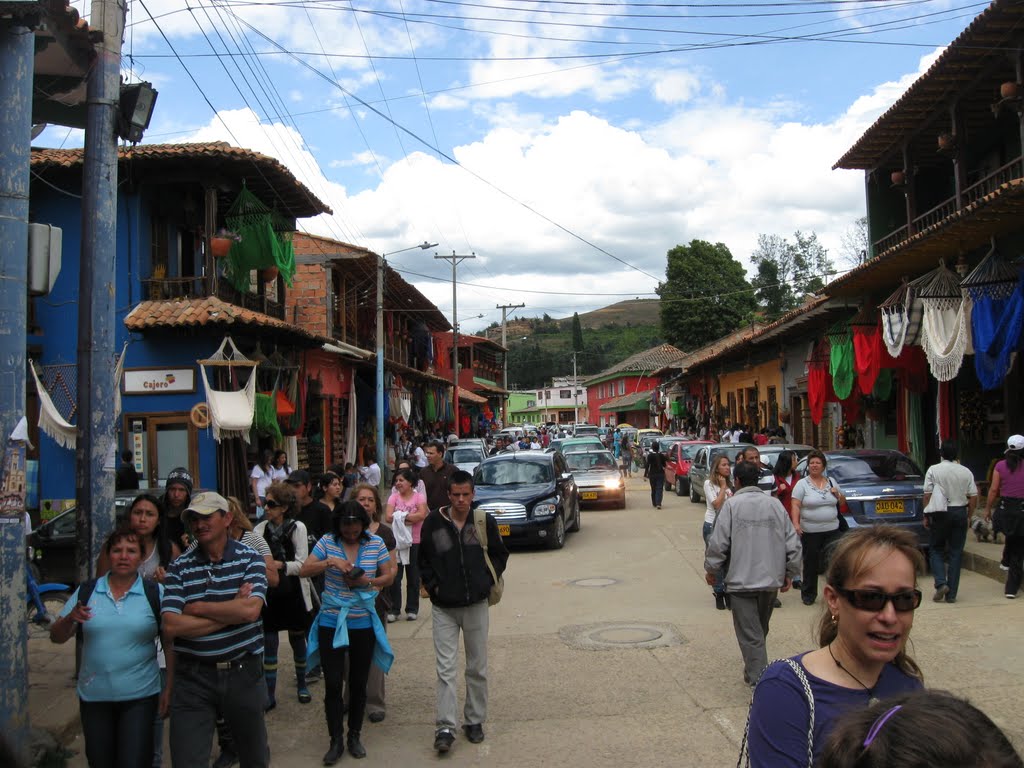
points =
(372, 554)
(194, 577)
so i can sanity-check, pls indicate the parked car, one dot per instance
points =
(466, 458)
(677, 469)
(576, 444)
(770, 453)
(597, 477)
(881, 486)
(53, 543)
(700, 465)
(532, 495)
(586, 430)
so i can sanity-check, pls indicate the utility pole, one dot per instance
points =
(455, 259)
(95, 450)
(575, 389)
(504, 374)
(17, 51)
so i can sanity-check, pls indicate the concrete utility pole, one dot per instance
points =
(95, 451)
(455, 259)
(17, 49)
(504, 374)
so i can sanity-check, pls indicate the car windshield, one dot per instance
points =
(513, 473)
(878, 467)
(582, 462)
(689, 451)
(463, 456)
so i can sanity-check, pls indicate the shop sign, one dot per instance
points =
(159, 381)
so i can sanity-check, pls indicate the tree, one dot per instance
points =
(855, 244)
(577, 333)
(705, 294)
(787, 270)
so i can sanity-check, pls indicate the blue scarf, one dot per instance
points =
(383, 656)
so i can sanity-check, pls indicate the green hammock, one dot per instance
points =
(841, 362)
(261, 247)
(429, 410)
(265, 419)
(883, 385)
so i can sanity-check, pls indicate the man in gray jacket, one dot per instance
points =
(757, 544)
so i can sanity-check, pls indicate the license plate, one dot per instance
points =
(505, 530)
(889, 507)
(588, 495)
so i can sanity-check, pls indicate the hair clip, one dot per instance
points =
(877, 726)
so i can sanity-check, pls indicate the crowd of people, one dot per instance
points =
(184, 620)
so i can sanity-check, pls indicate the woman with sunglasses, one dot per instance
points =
(870, 596)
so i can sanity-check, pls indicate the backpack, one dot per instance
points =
(498, 585)
(150, 587)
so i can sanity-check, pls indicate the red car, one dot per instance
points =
(677, 468)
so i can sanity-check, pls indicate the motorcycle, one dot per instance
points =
(44, 603)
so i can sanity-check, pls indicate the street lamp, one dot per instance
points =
(380, 346)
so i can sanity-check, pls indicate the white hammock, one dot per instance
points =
(56, 426)
(944, 337)
(231, 412)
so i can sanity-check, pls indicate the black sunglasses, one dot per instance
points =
(874, 601)
(271, 504)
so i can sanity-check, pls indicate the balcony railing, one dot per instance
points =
(972, 194)
(252, 301)
(168, 288)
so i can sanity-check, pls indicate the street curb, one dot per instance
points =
(985, 566)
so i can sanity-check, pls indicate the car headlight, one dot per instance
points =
(544, 508)
(612, 483)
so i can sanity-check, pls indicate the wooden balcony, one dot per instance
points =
(168, 288)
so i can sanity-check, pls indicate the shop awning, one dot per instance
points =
(347, 350)
(638, 401)
(470, 397)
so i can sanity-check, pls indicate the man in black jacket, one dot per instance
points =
(458, 582)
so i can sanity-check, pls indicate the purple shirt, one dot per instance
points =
(1011, 484)
(779, 714)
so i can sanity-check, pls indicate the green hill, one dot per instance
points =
(540, 348)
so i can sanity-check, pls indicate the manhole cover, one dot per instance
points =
(596, 582)
(609, 635)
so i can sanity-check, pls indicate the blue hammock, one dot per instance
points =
(996, 324)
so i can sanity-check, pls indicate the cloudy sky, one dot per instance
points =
(568, 145)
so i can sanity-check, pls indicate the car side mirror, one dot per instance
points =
(566, 475)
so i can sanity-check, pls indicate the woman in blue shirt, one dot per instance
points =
(870, 595)
(119, 681)
(353, 562)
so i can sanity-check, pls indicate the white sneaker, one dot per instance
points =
(410, 617)
(392, 618)
(1010, 597)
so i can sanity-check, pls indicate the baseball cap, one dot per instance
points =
(1015, 443)
(299, 477)
(207, 503)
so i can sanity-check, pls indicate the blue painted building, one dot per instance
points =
(173, 304)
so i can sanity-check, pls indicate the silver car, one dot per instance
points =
(597, 477)
(466, 458)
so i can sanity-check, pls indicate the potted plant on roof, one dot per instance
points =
(220, 243)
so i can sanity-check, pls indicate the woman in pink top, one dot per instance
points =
(1008, 488)
(405, 498)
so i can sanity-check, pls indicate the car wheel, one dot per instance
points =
(693, 495)
(577, 519)
(679, 487)
(556, 536)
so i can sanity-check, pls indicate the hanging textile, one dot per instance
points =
(944, 325)
(231, 411)
(883, 385)
(996, 290)
(352, 429)
(901, 316)
(915, 429)
(851, 409)
(260, 246)
(841, 360)
(817, 380)
(945, 412)
(265, 417)
(867, 348)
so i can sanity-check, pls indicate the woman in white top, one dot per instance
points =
(815, 515)
(260, 478)
(717, 488)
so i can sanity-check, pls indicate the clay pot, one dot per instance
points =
(947, 142)
(220, 246)
(898, 178)
(1008, 90)
(269, 274)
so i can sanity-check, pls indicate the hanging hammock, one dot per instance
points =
(867, 348)
(260, 247)
(841, 360)
(817, 380)
(883, 385)
(901, 318)
(944, 324)
(997, 316)
(231, 411)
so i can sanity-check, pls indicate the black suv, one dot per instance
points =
(531, 494)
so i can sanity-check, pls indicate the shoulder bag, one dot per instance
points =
(744, 758)
(497, 582)
(938, 501)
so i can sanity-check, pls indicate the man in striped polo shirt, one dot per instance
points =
(213, 597)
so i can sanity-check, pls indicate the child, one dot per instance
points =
(924, 728)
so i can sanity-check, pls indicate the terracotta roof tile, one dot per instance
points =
(648, 360)
(204, 312)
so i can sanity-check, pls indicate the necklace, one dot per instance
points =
(870, 691)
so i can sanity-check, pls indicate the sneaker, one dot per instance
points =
(797, 584)
(940, 593)
(808, 600)
(392, 618)
(410, 617)
(225, 760)
(1010, 597)
(474, 732)
(443, 740)
(1004, 567)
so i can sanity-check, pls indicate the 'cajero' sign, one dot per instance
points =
(157, 381)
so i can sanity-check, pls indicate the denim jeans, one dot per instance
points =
(118, 733)
(657, 489)
(719, 576)
(947, 535)
(201, 690)
(411, 572)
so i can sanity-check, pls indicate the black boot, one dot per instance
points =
(333, 755)
(355, 746)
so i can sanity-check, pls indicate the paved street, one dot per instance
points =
(554, 702)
